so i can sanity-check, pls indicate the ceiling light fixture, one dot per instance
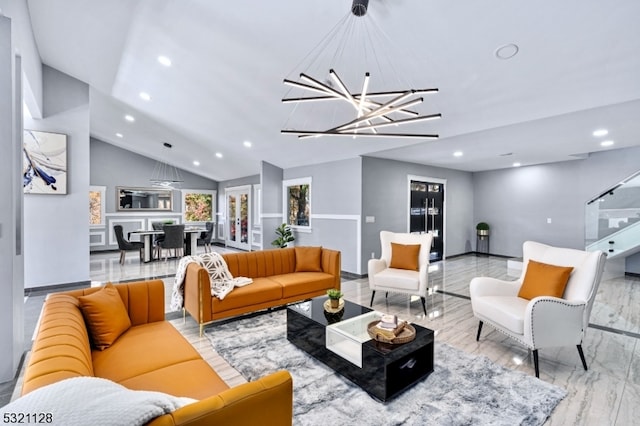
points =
(164, 61)
(196, 163)
(165, 175)
(458, 154)
(247, 144)
(145, 96)
(372, 110)
(129, 118)
(219, 154)
(606, 143)
(516, 164)
(120, 135)
(507, 51)
(600, 132)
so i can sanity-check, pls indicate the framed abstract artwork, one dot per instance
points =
(198, 205)
(44, 163)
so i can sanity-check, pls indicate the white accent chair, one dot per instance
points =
(383, 278)
(542, 322)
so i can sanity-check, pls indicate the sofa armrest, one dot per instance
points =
(197, 293)
(268, 400)
(331, 264)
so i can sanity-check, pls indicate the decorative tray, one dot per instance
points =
(407, 334)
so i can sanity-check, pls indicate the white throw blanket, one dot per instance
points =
(222, 282)
(81, 401)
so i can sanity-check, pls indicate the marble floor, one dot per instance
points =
(605, 395)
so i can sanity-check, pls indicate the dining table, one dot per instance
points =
(146, 236)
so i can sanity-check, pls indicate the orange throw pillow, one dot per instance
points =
(542, 279)
(308, 259)
(105, 315)
(405, 256)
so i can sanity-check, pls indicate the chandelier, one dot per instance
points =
(374, 113)
(165, 175)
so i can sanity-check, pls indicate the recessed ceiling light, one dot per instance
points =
(507, 51)
(129, 118)
(606, 143)
(196, 163)
(247, 144)
(164, 61)
(600, 132)
(219, 154)
(120, 135)
(145, 96)
(516, 164)
(458, 154)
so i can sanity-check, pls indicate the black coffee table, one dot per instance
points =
(387, 370)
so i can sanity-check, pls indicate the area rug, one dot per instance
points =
(462, 390)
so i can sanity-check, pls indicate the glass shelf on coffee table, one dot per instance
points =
(340, 340)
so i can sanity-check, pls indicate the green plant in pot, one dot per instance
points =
(285, 236)
(334, 297)
(482, 228)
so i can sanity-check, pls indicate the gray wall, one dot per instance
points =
(336, 201)
(517, 202)
(271, 182)
(112, 166)
(385, 196)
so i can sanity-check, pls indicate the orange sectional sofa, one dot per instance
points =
(280, 276)
(150, 355)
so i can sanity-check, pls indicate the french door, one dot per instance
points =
(238, 218)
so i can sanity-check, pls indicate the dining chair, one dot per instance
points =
(173, 239)
(549, 305)
(206, 236)
(125, 245)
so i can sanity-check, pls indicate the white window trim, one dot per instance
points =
(285, 201)
(214, 200)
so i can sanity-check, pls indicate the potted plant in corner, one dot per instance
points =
(285, 236)
(334, 296)
(482, 229)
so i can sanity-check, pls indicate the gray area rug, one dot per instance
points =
(462, 390)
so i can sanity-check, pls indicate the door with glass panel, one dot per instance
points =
(238, 218)
(426, 212)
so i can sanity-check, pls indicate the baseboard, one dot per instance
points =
(351, 276)
(37, 291)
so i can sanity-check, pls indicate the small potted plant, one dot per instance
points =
(483, 229)
(285, 236)
(334, 296)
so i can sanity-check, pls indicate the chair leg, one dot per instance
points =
(584, 362)
(424, 305)
(373, 293)
(535, 362)
(479, 330)
(386, 295)
(122, 253)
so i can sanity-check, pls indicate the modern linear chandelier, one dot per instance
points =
(165, 175)
(374, 113)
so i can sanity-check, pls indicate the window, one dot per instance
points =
(96, 206)
(297, 202)
(198, 205)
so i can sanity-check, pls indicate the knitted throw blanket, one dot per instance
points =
(222, 282)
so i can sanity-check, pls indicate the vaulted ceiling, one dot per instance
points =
(577, 69)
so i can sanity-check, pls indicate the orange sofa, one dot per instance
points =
(280, 276)
(150, 355)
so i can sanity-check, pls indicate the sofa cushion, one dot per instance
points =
(301, 283)
(193, 379)
(259, 291)
(404, 256)
(308, 259)
(542, 279)
(142, 349)
(401, 279)
(105, 315)
(505, 310)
